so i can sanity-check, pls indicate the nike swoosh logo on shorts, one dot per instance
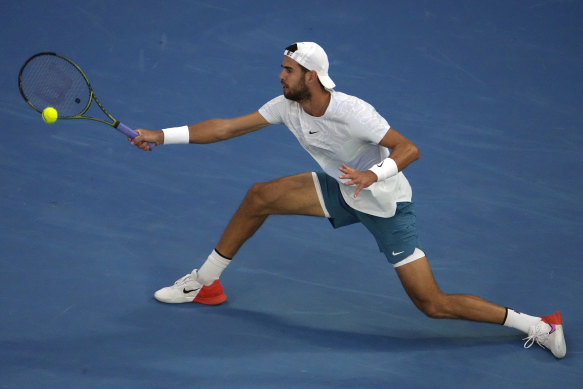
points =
(395, 254)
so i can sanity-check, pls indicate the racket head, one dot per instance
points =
(50, 80)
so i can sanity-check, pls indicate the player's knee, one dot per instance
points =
(256, 195)
(260, 196)
(431, 310)
(432, 307)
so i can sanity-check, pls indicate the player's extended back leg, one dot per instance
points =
(292, 195)
(418, 281)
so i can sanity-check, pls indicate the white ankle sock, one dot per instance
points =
(211, 269)
(520, 321)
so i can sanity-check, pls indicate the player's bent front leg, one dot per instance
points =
(288, 195)
(291, 195)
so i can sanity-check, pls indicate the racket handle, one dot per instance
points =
(130, 133)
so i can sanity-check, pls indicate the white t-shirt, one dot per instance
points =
(349, 132)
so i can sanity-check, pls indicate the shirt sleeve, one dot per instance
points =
(367, 123)
(273, 110)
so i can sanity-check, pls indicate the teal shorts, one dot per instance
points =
(396, 236)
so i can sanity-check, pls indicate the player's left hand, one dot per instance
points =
(358, 178)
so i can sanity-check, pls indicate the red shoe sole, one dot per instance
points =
(211, 295)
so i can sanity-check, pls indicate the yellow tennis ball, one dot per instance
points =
(50, 115)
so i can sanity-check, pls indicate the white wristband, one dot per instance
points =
(385, 169)
(176, 135)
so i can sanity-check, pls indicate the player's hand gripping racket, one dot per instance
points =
(51, 80)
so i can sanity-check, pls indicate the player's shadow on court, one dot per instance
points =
(149, 342)
(291, 334)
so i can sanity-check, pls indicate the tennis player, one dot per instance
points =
(362, 160)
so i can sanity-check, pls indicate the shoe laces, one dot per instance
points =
(184, 280)
(538, 334)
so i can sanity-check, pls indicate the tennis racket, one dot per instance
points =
(51, 80)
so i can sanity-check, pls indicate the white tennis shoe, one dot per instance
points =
(548, 333)
(188, 290)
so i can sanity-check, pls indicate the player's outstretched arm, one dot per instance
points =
(208, 131)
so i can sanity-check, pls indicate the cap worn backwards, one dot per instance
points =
(313, 57)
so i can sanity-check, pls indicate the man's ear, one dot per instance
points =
(311, 76)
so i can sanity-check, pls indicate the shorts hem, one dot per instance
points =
(320, 196)
(417, 254)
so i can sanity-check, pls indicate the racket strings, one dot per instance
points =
(49, 80)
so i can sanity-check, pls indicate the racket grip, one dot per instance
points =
(130, 133)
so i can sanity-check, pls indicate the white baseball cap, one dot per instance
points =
(313, 57)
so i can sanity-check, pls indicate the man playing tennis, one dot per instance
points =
(361, 181)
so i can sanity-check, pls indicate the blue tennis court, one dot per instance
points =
(90, 227)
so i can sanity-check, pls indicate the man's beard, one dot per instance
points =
(302, 93)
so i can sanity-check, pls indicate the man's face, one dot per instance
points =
(292, 80)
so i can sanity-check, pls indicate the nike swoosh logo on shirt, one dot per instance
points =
(395, 254)
(312, 132)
